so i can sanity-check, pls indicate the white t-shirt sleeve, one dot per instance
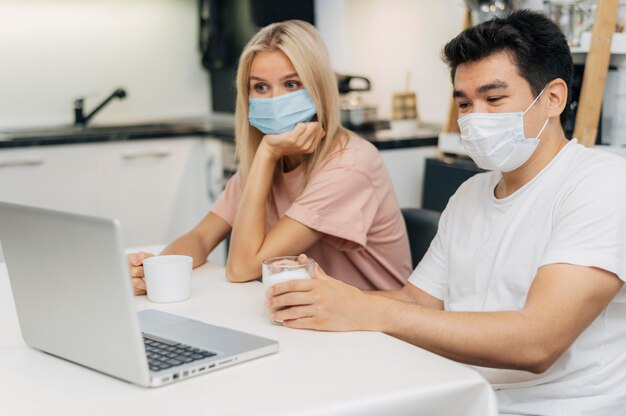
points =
(431, 274)
(590, 224)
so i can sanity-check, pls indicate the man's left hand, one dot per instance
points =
(321, 303)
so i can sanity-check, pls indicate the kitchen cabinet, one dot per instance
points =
(158, 189)
(58, 177)
(406, 169)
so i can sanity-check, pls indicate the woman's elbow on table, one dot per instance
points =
(236, 272)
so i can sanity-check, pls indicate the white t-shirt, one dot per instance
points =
(487, 252)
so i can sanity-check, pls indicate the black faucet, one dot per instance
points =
(80, 120)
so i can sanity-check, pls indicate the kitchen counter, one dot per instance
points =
(383, 138)
(69, 135)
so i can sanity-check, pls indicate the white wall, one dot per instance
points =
(383, 39)
(53, 51)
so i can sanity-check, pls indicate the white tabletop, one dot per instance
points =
(315, 373)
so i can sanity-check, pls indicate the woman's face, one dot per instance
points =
(272, 75)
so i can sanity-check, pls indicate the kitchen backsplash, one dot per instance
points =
(383, 39)
(56, 51)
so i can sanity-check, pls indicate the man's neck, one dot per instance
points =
(550, 145)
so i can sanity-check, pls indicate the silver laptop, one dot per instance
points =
(73, 295)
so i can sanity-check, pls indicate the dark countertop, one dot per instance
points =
(385, 136)
(381, 136)
(391, 143)
(114, 133)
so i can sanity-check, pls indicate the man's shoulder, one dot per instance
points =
(589, 180)
(595, 167)
(470, 196)
(477, 185)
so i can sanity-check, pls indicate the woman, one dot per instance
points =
(305, 184)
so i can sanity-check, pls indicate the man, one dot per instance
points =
(524, 278)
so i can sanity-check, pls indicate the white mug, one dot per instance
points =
(168, 278)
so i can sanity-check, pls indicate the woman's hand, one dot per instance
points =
(135, 260)
(303, 139)
(321, 303)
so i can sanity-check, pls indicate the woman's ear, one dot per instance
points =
(557, 97)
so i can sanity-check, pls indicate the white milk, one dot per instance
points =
(284, 276)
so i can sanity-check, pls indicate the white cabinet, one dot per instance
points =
(158, 189)
(59, 177)
(406, 168)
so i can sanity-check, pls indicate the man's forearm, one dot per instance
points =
(489, 339)
(391, 294)
(412, 294)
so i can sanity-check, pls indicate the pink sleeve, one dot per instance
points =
(226, 205)
(339, 202)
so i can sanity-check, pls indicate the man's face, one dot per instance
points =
(493, 85)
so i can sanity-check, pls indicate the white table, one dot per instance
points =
(315, 373)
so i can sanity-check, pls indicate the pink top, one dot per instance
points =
(351, 200)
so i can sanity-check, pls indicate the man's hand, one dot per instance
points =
(322, 303)
(135, 260)
(303, 139)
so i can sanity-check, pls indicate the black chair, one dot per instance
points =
(421, 226)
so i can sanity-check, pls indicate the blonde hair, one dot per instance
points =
(303, 45)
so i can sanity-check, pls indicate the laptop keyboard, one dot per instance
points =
(163, 355)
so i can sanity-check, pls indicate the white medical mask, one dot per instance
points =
(280, 114)
(496, 141)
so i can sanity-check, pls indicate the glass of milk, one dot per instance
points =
(282, 269)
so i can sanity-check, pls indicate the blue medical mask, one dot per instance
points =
(281, 114)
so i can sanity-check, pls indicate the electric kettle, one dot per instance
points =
(355, 112)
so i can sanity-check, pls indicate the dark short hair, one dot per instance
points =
(534, 42)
